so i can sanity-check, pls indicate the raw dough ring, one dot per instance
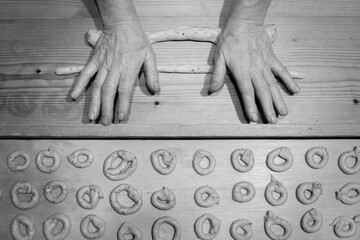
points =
(74, 158)
(269, 220)
(345, 227)
(16, 167)
(29, 225)
(322, 152)
(311, 221)
(94, 193)
(343, 194)
(167, 158)
(211, 197)
(50, 224)
(132, 193)
(282, 152)
(52, 153)
(343, 164)
(245, 225)
(242, 160)
(98, 223)
(127, 229)
(275, 186)
(24, 188)
(240, 197)
(155, 231)
(51, 186)
(198, 157)
(215, 224)
(163, 199)
(314, 188)
(126, 167)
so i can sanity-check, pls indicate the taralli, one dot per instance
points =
(343, 165)
(242, 159)
(243, 192)
(24, 188)
(206, 196)
(198, 157)
(344, 194)
(98, 224)
(51, 186)
(127, 229)
(215, 224)
(51, 153)
(50, 224)
(269, 220)
(322, 152)
(155, 231)
(124, 169)
(277, 187)
(132, 193)
(29, 226)
(163, 161)
(163, 199)
(285, 154)
(18, 167)
(345, 227)
(245, 225)
(89, 196)
(74, 158)
(311, 221)
(313, 188)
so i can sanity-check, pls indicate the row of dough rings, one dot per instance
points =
(132, 193)
(269, 220)
(49, 227)
(314, 188)
(245, 225)
(242, 159)
(322, 152)
(24, 188)
(155, 231)
(51, 186)
(164, 199)
(247, 188)
(124, 169)
(29, 226)
(345, 227)
(344, 194)
(98, 224)
(199, 156)
(206, 196)
(93, 193)
(127, 229)
(343, 165)
(277, 187)
(74, 158)
(18, 167)
(285, 154)
(311, 221)
(51, 153)
(163, 161)
(214, 229)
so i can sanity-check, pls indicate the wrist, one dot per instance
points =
(249, 11)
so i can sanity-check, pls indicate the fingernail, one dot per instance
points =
(273, 119)
(213, 86)
(156, 86)
(254, 117)
(73, 94)
(92, 116)
(297, 88)
(283, 111)
(105, 121)
(121, 116)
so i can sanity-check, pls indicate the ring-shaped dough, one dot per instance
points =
(164, 199)
(51, 153)
(344, 195)
(155, 231)
(98, 224)
(18, 167)
(322, 152)
(285, 154)
(198, 157)
(94, 194)
(127, 229)
(132, 193)
(24, 188)
(239, 196)
(343, 161)
(311, 221)
(344, 227)
(269, 220)
(277, 187)
(242, 159)
(124, 169)
(167, 158)
(74, 158)
(50, 225)
(206, 196)
(51, 186)
(245, 225)
(215, 224)
(314, 188)
(29, 225)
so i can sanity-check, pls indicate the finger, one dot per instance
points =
(280, 70)
(85, 75)
(151, 73)
(94, 110)
(125, 91)
(219, 73)
(108, 92)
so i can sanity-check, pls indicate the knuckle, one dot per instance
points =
(247, 91)
(262, 88)
(106, 89)
(123, 91)
(97, 85)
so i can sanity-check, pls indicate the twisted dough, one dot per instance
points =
(344, 196)
(18, 167)
(211, 197)
(269, 220)
(29, 225)
(132, 193)
(155, 231)
(167, 158)
(163, 199)
(198, 157)
(285, 154)
(52, 153)
(245, 225)
(24, 188)
(126, 167)
(215, 224)
(345, 227)
(350, 154)
(50, 224)
(275, 186)
(242, 159)
(127, 229)
(94, 194)
(51, 186)
(311, 221)
(322, 152)
(74, 158)
(98, 223)
(240, 197)
(314, 188)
